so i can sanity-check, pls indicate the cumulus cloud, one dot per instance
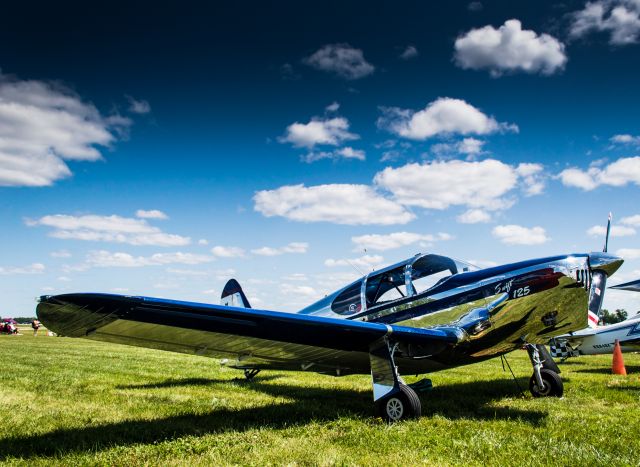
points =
(395, 240)
(618, 173)
(471, 147)
(444, 116)
(474, 216)
(318, 131)
(152, 214)
(297, 290)
(625, 139)
(227, 251)
(509, 49)
(631, 220)
(138, 106)
(294, 247)
(342, 60)
(35, 268)
(440, 184)
(115, 229)
(42, 125)
(107, 259)
(409, 52)
(366, 262)
(619, 18)
(518, 235)
(629, 253)
(342, 153)
(616, 231)
(337, 203)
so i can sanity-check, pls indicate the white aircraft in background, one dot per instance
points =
(601, 340)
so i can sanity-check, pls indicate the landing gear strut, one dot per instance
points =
(393, 399)
(545, 381)
(250, 373)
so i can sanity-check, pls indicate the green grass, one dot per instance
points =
(72, 401)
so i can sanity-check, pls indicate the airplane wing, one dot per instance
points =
(249, 338)
(633, 286)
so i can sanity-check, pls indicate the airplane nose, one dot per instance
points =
(605, 262)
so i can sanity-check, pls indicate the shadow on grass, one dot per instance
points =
(606, 370)
(172, 383)
(456, 401)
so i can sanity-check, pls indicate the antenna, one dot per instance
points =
(606, 240)
(355, 267)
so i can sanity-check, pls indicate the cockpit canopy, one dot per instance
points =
(408, 278)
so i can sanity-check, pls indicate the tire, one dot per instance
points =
(553, 386)
(402, 404)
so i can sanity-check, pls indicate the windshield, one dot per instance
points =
(386, 286)
(431, 270)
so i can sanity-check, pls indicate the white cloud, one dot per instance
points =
(203, 241)
(365, 263)
(336, 203)
(474, 6)
(64, 279)
(443, 116)
(138, 106)
(342, 153)
(331, 131)
(631, 220)
(333, 107)
(227, 251)
(115, 229)
(619, 173)
(532, 178)
(42, 125)
(151, 214)
(107, 259)
(616, 231)
(440, 184)
(625, 139)
(35, 268)
(471, 147)
(518, 235)
(296, 290)
(509, 49)
(474, 216)
(629, 253)
(619, 18)
(60, 254)
(409, 52)
(294, 247)
(395, 240)
(342, 60)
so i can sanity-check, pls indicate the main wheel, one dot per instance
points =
(399, 405)
(552, 384)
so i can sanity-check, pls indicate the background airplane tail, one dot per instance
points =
(232, 295)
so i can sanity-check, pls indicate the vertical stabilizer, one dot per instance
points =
(232, 295)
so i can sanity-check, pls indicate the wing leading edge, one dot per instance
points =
(253, 338)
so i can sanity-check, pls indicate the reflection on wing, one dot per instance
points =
(252, 338)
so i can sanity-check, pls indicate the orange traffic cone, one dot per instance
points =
(618, 362)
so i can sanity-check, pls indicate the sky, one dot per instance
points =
(160, 151)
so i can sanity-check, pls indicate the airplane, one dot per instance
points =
(600, 340)
(426, 313)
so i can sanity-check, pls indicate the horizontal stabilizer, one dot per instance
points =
(634, 286)
(232, 295)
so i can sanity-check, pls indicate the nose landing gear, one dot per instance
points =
(545, 381)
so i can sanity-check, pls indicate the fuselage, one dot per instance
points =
(601, 340)
(498, 308)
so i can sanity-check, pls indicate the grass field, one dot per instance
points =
(72, 401)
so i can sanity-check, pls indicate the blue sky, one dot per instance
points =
(161, 151)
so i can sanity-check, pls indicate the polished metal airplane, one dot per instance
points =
(601, 340)
(427, 313)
